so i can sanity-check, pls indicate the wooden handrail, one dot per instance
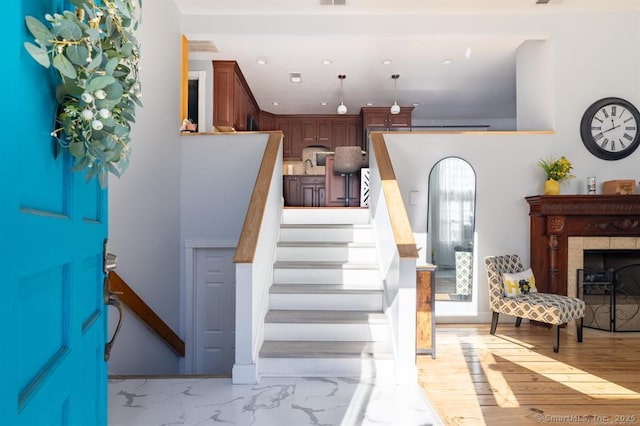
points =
(246, 250)
(143, 311)
(400, 225)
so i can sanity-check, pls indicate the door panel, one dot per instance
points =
(52, 226)
(215, 311)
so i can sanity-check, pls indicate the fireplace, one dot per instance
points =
(563, 226)
(609, 284)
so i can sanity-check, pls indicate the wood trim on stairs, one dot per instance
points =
(400, 225)
(144, 312)
(248, 241)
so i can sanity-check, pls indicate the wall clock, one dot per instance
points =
(609, 128)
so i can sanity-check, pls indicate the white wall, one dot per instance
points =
(144, 220)
(218, 174)
(505, 164)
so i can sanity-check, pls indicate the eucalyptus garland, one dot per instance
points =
(96, 54)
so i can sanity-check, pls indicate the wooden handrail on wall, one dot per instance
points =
(143, 311)
(400, 225)
(246, 250)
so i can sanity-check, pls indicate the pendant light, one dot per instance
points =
(342, 108)
(395, 108)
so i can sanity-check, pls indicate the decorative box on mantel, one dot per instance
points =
(555, 218)
(619, 187)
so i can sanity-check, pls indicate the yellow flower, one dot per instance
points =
(557, 169)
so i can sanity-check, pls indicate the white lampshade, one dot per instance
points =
(395, 109)
(342, 108)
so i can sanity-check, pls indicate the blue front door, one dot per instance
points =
(52, 229)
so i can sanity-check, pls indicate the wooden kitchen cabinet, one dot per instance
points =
(233, 101)
(316, 131)
(301, 131)
(346, 131)
(304, 191)
(313, 191)
(292, 135)
(381, 118)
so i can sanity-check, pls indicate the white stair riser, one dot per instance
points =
(326, 367)
(319, 302)
(335, 216)
(327, 254)
(339, 235)
(352, 277)
(361, 332)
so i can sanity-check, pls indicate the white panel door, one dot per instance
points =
(214, 305)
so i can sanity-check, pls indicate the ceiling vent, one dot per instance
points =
(202, 46)
(333, 2)
(542, 1)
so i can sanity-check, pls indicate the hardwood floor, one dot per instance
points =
(515, 378)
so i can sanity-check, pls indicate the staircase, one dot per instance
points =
(326, 313)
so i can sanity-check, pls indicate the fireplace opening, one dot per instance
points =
(609, 284)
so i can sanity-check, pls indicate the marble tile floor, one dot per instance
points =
(272, 402)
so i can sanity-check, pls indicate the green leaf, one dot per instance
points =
(111, 66)
(103, 178)
(81, 164)
(114, 91)
(100, 82)
(38, 53)
(39, 31)
(64, 66)
(93, 34)
(113, 169)
(95, 63)
(68, 30)
(91, 172)
(71, 87)
(77, 54)
(77, 149)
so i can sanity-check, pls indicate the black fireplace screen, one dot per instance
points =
(612, 297)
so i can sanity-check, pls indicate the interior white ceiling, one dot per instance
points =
(295, 35)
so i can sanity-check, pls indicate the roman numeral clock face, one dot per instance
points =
(609, 128)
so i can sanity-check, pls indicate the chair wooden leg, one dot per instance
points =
(494, 323)
(518, 321)
(579, 329)
(556, 338)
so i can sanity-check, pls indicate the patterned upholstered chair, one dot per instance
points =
(548, 308)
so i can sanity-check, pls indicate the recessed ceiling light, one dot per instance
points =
(447, 61)
(275, 103)
(295, 77)
(467, 53)
(324, 103)
(326, 62)
(262, 60)
(386, 61)
(415, 104)
(370, 103)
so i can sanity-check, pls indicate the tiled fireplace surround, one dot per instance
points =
(577, 246)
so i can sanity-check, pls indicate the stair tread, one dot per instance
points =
(331, 244)
(329, 264)
(324, 349)
(322, 289)
(326, 225)
(324, 317)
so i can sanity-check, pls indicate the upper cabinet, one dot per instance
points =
(316, 131)
(381, 117)
(233, 102)
(301, 131)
